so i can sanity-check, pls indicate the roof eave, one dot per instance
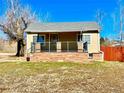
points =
(48, 31)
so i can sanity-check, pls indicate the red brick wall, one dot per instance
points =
(66, 57)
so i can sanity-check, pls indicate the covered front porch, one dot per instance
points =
(59, 42)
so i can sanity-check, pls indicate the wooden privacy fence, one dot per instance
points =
(113, 53)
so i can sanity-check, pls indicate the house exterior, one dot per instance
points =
(64, 38)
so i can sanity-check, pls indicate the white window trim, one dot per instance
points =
(90, 38)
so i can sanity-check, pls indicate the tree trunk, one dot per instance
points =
(20, 48)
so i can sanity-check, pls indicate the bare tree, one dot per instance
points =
(15, 21)
(99, 17)
(121, 12)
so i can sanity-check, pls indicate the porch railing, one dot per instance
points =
(66, 46)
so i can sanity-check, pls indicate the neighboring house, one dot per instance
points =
(64, 37)
(117, 43)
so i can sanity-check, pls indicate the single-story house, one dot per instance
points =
(61, 40)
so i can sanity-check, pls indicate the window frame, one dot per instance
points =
(84, 39)
(43, 43)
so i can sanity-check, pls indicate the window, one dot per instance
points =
(39, 39)
(90, 55)
(86, 38)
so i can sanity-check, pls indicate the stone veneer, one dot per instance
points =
(66, 57)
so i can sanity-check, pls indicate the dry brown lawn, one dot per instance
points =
(63, 77)
(7, 47)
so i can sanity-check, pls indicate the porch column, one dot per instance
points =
(37, 47)
(58, 46)
(80, 46)
(49, 42)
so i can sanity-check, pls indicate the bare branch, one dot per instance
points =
(17, 19)
(2, 26)
(25, 23)
(99, 17)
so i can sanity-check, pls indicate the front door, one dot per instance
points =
(54, 38)
(53, 42)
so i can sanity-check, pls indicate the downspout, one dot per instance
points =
(82, 34)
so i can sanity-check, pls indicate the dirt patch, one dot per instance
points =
(10, 57)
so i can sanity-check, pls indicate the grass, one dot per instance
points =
(30, 68)
(61, 77)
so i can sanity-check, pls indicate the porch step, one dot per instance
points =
(62, 57)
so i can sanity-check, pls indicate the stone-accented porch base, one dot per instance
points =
(65, 57)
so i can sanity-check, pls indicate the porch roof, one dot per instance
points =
(63, 27)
